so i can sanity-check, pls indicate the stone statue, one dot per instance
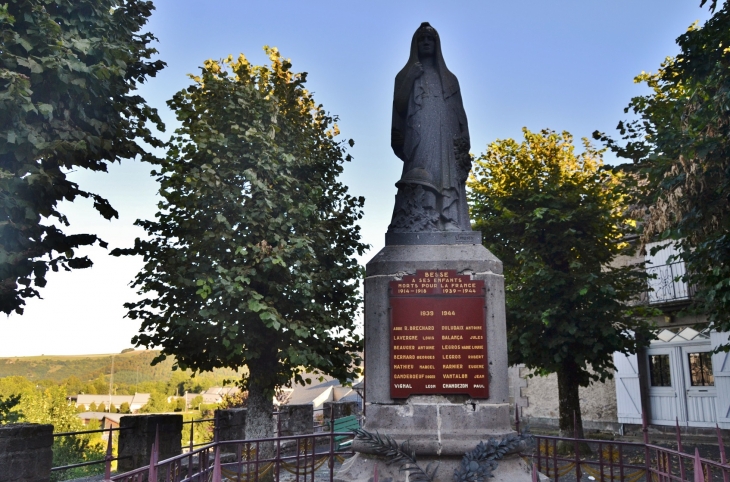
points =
(431, 136)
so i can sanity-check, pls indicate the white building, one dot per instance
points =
(675, 378)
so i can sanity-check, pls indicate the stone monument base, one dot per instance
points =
(361, 468)
(436, 425)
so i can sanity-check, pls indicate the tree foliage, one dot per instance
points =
(250, 262)
(680, 151)
(556, 219)
(68, 72)
(7, 414)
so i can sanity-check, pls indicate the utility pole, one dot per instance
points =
(111, 384)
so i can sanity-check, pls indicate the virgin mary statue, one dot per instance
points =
(430, 135)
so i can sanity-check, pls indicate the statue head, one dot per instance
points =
(427, 38)
(426, 41)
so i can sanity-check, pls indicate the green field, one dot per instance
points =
(129, 368)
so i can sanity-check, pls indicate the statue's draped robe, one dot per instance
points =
(431, 192)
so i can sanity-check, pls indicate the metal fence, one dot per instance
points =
(108, 458)
(297, 455)
(300, 457)
(570, 459)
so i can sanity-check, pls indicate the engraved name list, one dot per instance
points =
(438, 336)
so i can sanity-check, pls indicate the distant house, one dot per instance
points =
(330, 390)
(136, 401)
(216, 394)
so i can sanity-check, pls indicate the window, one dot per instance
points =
(700, 369)
(659, 371)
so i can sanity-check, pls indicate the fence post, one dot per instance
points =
(680, 449)
(699, 476)
(647, 460)
(723, 457)
(578, 474)
(217, 465)
(108, 458)
(154, 456)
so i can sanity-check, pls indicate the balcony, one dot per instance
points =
(666, 284)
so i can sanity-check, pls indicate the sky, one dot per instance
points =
(558, 64)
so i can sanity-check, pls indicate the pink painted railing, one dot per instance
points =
(611, 460)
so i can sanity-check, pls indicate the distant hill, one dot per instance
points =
(130, 367)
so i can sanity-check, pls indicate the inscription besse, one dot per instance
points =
(438, 335)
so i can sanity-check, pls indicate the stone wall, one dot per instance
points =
(597, 402)
(25, 452)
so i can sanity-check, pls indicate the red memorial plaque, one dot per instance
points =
(438, 335)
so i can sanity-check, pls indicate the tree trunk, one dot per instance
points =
(260, 405)
(569, 407)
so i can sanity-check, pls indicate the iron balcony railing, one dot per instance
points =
(666, 284)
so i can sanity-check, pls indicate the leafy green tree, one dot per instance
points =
(196, 402)
(157, 404)
(556, 219)
(250, 262)
(679, 146)
(93, 407)
(178, 405)
(237, 400)
(101, 407)
(68, 72)
(50, 406)
(125, 408)
(73, 385)
(15, 385)
(7, 414)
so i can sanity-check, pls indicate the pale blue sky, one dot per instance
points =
(562, 64)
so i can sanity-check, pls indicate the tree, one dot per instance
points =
(250, 262)
(68, 72)
(156, 404)
(101, 407)
(556, 220)
(235, 400)
(50, 406)
(679, 146)
(93, 407)
(7, 414)
(125, 408)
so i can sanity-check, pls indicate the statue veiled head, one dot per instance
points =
(425, 31)
(427, 40)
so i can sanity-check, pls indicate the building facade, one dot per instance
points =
(676, 378)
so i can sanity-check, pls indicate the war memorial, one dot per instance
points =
(435, 336)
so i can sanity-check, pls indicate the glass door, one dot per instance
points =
(663, 386)
(699, 385)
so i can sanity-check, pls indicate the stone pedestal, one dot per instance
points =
(25, 452)
(441, 428)
(137, 435)
(230, 424)
(339, 409)
(296, 420)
